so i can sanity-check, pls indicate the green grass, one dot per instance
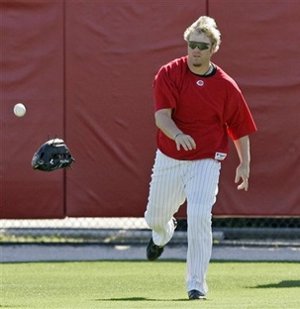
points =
(122, 285)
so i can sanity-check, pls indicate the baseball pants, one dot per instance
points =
(173, 182)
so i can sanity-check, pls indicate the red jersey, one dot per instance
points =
(209, 108)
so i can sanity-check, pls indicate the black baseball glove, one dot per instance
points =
(52, 155)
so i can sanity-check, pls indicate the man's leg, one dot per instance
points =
(165, 196)
(201, 190)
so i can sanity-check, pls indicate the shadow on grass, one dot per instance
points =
(281, 284)
(141, 299)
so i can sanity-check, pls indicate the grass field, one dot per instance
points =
(122, 285)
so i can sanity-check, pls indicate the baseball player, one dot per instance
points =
(197, 107)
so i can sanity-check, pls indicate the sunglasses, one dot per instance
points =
(200, 45)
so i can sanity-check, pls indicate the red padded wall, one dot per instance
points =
(32, 73)
(260, 50)
(114, 48)
(84, 69)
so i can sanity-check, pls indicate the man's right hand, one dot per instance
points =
(185, 141)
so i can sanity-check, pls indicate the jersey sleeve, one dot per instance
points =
(165, 91)
(238, 118)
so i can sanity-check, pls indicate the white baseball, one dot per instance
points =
(19, 110)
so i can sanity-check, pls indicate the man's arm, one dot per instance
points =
(242, 146)
(164, 121)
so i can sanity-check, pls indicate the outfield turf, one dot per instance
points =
(160, 284)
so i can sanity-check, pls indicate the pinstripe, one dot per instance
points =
(173, 182)
(201, 195)
(165, 197)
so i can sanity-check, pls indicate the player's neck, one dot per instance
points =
(203, 69)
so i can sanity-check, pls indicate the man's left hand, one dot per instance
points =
(242, 173)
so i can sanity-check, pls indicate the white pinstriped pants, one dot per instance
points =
(173, 182)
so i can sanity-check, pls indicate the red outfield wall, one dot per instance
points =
(84, 69)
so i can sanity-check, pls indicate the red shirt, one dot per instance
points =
(208, 108)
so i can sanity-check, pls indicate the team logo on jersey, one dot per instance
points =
(220, 156)
(200, 82)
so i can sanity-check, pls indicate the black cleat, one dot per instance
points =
(195, 294)
(153, 251)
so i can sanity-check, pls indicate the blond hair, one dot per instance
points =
(208, 26)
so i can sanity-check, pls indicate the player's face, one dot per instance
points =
(199, 50)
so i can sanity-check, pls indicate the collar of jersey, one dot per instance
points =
(213, 72)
